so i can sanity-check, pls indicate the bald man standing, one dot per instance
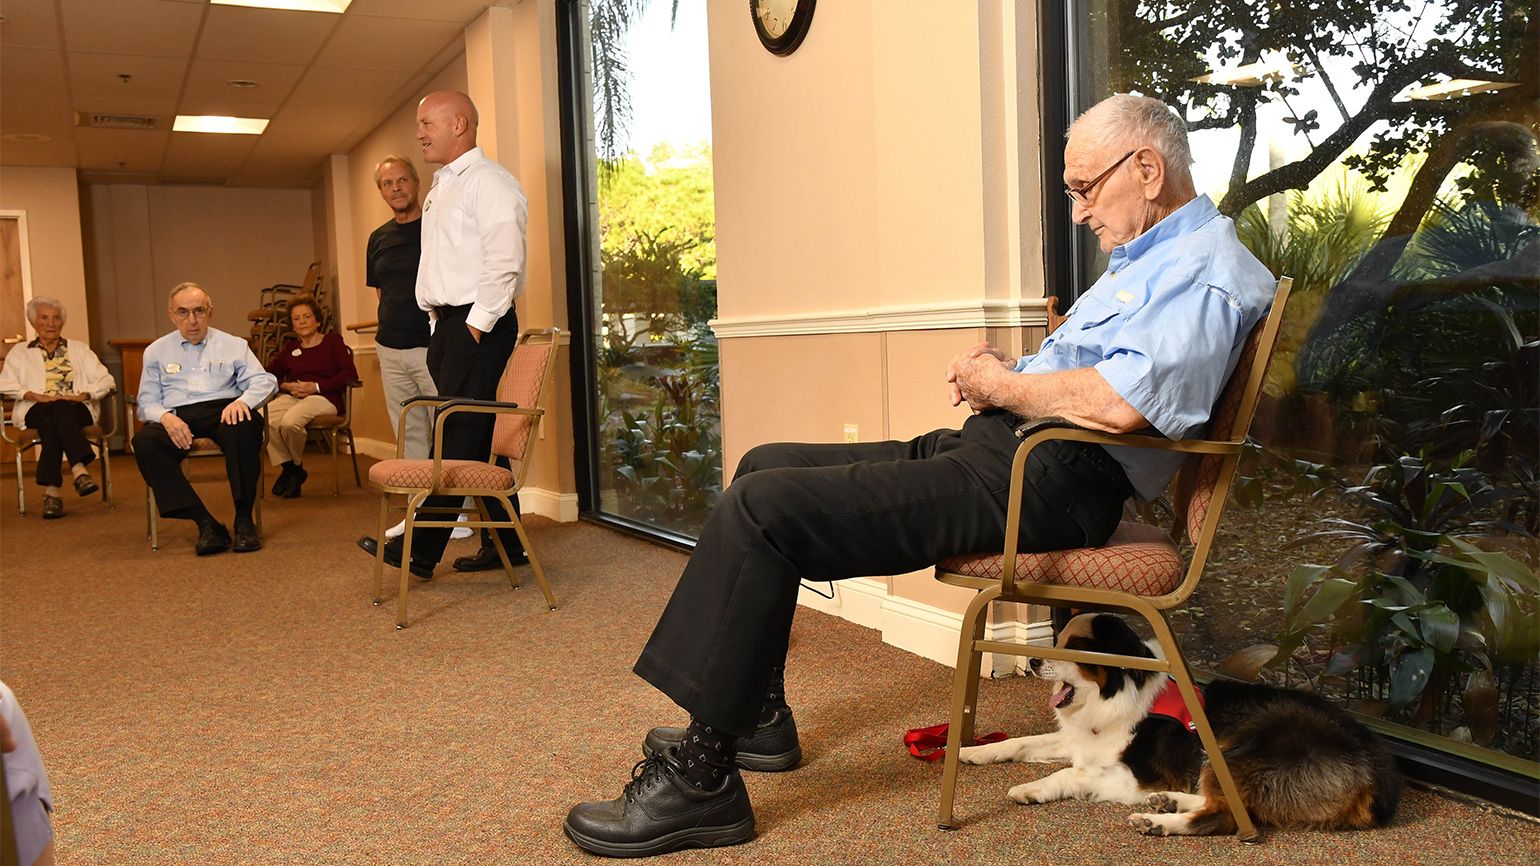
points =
(472, 267)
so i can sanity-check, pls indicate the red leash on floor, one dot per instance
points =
(929, 744)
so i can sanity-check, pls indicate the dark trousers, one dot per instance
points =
(827, 512)
(462, 367)
(60, 428)
(160, 460)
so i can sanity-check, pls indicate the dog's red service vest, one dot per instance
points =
(1169, 703)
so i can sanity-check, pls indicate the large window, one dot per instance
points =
(647, 262)
(1384, 155)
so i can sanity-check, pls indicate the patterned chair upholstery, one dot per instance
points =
(1140, 569)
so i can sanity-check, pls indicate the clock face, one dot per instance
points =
(781, 24)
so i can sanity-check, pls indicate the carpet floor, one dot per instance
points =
(257, 709)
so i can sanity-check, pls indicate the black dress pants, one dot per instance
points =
(60, 427)
(160, 460)
(828, 512)
(462, 367)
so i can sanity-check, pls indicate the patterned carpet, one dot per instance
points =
(256, 709)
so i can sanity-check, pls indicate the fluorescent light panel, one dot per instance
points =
(1456, 88)
(334, 6)
(218, 123)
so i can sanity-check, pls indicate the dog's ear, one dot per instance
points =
(1110, 634)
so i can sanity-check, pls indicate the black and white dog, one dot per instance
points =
(1297, 761)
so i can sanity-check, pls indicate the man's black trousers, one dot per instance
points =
(828, 512)
(462, 367)
(160, 461)
(60, 427)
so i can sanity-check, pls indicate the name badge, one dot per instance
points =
(295, 353)
(173, 368)
(1125, 296)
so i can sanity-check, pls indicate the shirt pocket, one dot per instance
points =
(1094, 312)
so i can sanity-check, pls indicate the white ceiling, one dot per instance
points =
(324, 80)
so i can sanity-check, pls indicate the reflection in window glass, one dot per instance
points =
(1385, 156)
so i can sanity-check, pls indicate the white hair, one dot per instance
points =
(1123, 121)
(36, 303)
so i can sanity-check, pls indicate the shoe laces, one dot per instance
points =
(648, 773)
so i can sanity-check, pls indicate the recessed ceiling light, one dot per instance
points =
(218, 123)
(27, 137)
(242, 83)
(337, 6)
(1456, 88)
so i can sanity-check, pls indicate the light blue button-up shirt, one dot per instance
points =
(1165, 326)
(179, 373)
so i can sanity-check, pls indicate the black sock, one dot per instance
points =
(288, 466)
(243, 511)
(775, 695)
(196, 513)
(707, 755)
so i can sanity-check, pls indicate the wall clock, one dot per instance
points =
(781, 24)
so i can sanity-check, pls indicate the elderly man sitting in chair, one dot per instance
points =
(202, 382)
(1150, 345)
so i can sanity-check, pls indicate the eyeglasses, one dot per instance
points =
(1080, 194)
(194, 313)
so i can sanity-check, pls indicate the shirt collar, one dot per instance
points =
(1189, 217)
(462, 162)
(37, 343)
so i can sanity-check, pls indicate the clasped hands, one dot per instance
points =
(976, 374)
(181, 435)
(54, 398)
(300, 389)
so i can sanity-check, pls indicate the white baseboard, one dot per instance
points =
(553, 504)
(916, 627)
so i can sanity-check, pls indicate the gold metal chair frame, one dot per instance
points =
(972, 645)
(98, 434)
(447, 407)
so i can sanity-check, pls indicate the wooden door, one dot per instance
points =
(13, 300)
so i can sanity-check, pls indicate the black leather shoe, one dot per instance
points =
(486, 559)
(296, 480)
(660, 811)
(393, 556)
(282, 482)
(85, 485)
(213, 538)
(53, 507)
(247, 538)
(773, 748)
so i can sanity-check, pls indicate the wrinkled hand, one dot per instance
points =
(7, 739)
(79, 397)
(475, 334)
(970, 372)
(181, 434)
(236, 412)
(41, 398)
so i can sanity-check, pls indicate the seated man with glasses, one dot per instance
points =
(202, 382)
(1150, 345)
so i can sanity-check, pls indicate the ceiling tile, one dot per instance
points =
(387, 43)
(459, 11)
(32, 69)
(324, 125)
(343, 87)
(201, 155)
(206, 82)
(30, 24)
(41, 111)
(146, 27)
(136, 150)
(48, 153)
(94, 80)
(286, 37)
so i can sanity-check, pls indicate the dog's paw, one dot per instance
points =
(989, 754)
(1028, 794)
(1146, 824)
(1161, 803)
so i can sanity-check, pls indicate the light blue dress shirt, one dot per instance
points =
(1165, 326)
(179, 373)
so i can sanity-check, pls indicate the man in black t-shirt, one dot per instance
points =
(402, 340)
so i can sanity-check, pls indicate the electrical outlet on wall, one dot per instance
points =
(852, 433)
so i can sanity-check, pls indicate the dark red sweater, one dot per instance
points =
(328, 364)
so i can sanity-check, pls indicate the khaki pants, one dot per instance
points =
(286, 420)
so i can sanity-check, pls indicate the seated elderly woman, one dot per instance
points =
(57, 385)
(312, 372)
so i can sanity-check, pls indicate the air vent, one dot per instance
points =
(194, 181)
(115, 121)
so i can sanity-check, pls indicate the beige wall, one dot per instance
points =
(51, 199)
(878, 208)
(144, 240)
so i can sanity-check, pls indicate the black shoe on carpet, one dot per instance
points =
(213, 538)
(53, 507)
(283, 481)
(296, 481)
(393, 556)
(486, 559)
(85, 485)
(659, 811)
(773, 748)
(247, 538)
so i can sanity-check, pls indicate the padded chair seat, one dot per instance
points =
(456, 473)
(1139, 558)
(323, 421)
(203, 443)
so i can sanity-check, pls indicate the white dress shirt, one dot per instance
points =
(473, 250)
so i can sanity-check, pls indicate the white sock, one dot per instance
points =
(458, 532)
(77, 469)
(51, 491)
